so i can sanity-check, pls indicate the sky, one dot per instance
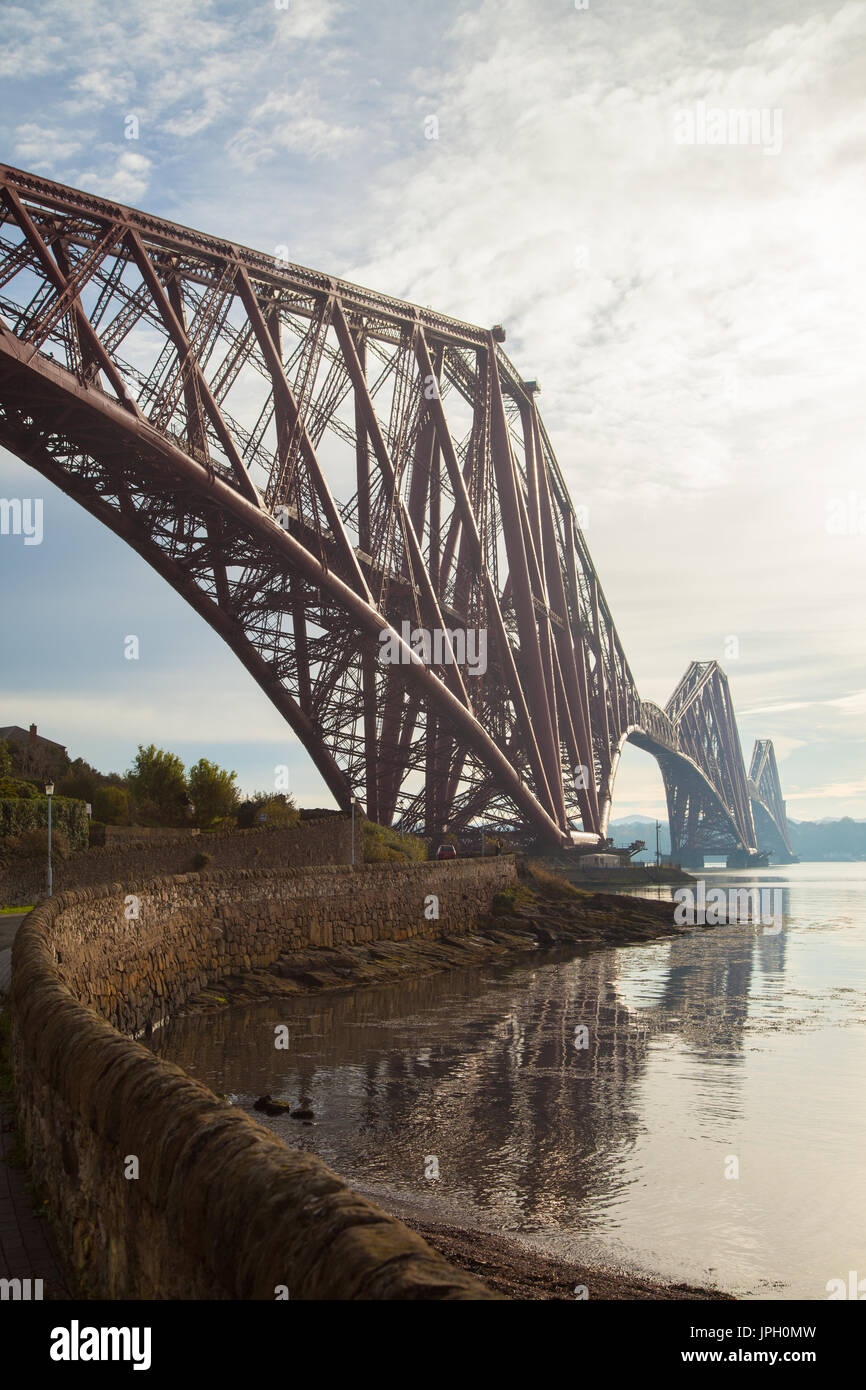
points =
(687, 284)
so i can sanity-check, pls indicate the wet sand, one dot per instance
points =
(520, 1273)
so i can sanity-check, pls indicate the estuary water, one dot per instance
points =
(711, 1129)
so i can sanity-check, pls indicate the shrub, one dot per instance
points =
(111, 805)
(374, 853)
(14, 788)
(277, 810)
(33, 843)
(20, 814)
(281, 810)
(384, 845)
(201, 861)
(550, 884)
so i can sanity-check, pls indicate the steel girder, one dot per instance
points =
(768, 805)
(708, 798)
(316, 467)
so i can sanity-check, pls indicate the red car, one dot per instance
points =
(446, 852)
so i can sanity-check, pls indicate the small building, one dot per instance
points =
(32, 755)
(600, 861)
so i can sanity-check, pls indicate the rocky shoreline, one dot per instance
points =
(542, 915)
(520, 1273)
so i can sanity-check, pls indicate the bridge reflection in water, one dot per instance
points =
(697, 1050)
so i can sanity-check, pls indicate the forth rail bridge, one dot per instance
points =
(311, 465)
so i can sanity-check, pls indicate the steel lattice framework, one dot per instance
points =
(316, 467)
(768, 806)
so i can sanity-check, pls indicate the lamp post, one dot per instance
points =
(49, 792)
(353, 832)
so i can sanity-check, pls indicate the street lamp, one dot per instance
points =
(49, 792)
(353, 832)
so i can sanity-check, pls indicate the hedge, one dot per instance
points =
(13, 787)
(67, 815)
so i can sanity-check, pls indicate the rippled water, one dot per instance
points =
(728, 1043)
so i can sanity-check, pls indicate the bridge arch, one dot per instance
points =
(314, 466)
(695, 741)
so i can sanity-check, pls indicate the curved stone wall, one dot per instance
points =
(157, 1188)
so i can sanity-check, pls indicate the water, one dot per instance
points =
(728, 1046)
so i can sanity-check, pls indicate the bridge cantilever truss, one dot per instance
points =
(349, 489)
(768, 806)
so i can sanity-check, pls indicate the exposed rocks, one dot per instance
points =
(529, 920)
(268, 1106)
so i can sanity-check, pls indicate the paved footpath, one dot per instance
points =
(26, 1251)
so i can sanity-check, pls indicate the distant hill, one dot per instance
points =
(843, 839)
(630, 828)
(828, 839)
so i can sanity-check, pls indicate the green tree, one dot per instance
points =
(279, 810)
(213, 793)
(5, 760)
(264, 808)
(81, 781)
(111, 805)
(159, 786)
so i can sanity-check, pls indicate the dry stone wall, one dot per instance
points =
(328, 841)
(219, 1207)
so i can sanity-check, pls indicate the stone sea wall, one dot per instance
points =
(327, 841)
(157, 1188)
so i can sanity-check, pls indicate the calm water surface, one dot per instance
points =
(727, 1042)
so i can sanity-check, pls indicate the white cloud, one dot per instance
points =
(43, 147)
(100, 87)
(784, 747)
(291, 121)
(29, 49)
(305, 20)
(127, 181)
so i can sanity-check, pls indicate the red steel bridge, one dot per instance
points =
(359, 495)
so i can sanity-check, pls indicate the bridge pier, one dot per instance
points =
(746, 859)
(737, 858)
